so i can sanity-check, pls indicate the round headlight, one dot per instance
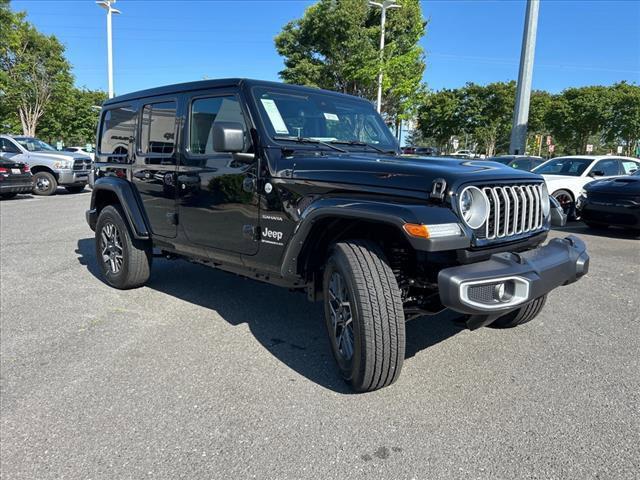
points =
(474, 207)
(546, 205)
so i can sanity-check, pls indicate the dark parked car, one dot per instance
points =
(611, 202)
(15, 178)
(306, 189)
(520, 162)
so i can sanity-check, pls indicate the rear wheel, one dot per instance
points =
(44, 183)
(522, 315)
(364, 315)
(125, 262)
(565, 199)
(74, 188)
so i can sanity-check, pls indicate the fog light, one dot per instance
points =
(503, 292)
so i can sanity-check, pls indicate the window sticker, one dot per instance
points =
(331, 116)
(274, 115)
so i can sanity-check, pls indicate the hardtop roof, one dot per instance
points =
(207, 84)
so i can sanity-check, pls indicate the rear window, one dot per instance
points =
(118, 133)
(158, 129)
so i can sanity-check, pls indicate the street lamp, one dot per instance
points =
(383, 18)
(107, 5)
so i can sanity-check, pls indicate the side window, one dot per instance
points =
(8, 147)
(118, 133)
(205, 113)
(158, 128)
(608, 167)
(629, 166)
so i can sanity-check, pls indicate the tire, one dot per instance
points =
(567, 202)
(358, 273)
(126, 262)
(7, 196)
(596, 225)
(44, 183)
(522, 315)
(75, 188)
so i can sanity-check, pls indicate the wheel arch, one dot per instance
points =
(117, 191)
(42, 168)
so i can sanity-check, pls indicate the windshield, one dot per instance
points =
(34, 145)
(573, 167)
(322, 117)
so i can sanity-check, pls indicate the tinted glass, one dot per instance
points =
(205, 113)
(157, 132)
(609, 168)
(503, 160)
(118, 133)
(573, 167)
(8, 146)
(322, 117)
(34, 145)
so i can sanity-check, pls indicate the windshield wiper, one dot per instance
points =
(358, 143)
(309, 140)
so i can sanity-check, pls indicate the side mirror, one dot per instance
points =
(228, 137)
(597, 173)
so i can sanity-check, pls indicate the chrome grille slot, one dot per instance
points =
(513, 210)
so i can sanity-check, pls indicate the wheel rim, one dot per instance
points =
(42, 184)
(111, 248)
(565, 201)
(341, 315)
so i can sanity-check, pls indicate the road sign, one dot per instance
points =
(589, 148)
(548, 139)
(551, 148)
(619, 150)
(455, 144)
(58, 145)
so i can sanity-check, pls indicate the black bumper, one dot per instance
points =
(15, 187)
(475, 289)
(618, 212)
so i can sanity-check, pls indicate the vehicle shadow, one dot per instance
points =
(283, 322)
(611, 232)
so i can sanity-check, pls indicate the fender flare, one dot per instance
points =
(129, 200)
(386, 212)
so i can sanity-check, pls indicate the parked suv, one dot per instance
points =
(306, 189)
(49, 167)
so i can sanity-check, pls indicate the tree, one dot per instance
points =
(32, 65)
(577, 114)
(438, 116)
(335, 46)
(623, 122)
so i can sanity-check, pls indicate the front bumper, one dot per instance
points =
(619, 212)
(72, 177)
(489, 289)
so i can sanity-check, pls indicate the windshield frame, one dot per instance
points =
(36, 141)
(255, 92)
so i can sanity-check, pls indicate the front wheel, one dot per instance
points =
(364, 315)
(565, 199)
(125, 262)
(522, 315)
(44, 183)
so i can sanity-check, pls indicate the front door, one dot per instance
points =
(218, 203)
(155, 165)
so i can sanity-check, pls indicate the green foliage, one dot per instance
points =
(335, 46)
(36, 85)
(623, 121)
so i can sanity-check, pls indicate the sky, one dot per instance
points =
(580, 42)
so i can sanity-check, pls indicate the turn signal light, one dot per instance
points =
(432, 231)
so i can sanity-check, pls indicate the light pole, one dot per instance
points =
(523, 92)
(108, 6)
(383, 18)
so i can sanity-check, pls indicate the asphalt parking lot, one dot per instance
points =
(202, 374)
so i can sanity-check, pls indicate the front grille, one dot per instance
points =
(513, 210)
(82, 164)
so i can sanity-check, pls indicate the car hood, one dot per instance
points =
(408, 173)
(625, 185)
(58, 156)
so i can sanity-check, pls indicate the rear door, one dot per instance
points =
(155, 164)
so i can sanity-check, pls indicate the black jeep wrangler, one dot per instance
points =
(306, 189)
